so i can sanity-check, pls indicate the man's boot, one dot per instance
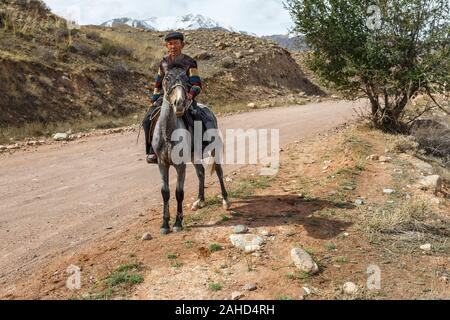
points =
(151, 157)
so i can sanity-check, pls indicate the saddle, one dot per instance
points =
(201, 112)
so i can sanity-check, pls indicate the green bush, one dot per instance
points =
(385, 50)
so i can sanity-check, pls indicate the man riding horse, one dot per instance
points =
(175, 44)
(174, 113)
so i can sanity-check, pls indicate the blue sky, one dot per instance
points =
(262, 17)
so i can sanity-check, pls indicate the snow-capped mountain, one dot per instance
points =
(290, 42)
(187, 22)
(129, 22)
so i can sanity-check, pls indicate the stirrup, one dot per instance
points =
(152, 159)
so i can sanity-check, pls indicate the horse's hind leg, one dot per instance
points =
(181, 172)
(200, 203)
(219, 172)
(165, 191)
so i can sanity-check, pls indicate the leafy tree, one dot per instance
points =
(385, 50)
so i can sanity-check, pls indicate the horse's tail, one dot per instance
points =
(211, 166)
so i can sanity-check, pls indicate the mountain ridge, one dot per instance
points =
(185, 22)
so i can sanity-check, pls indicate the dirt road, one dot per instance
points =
(60, 196)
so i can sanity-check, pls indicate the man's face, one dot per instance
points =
(174, 47)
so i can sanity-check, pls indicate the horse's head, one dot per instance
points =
(175, 85)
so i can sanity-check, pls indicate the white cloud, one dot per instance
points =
(260, 17)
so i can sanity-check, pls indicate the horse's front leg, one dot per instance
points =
(181, 173)
(165, 191)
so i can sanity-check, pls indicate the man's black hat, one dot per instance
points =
(174, 36)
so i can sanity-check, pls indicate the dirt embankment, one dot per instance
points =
(44, 94)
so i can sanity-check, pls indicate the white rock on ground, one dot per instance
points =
(266, 233)
(388, 191)
(236, 295)
(385, 159)
(426, 247)
(350, 288)
(13, 146)
(433, 183)
(146, 236)
(240, 229)
(61, 137)
(422, 166)
(250, 286)
(247, 242)
(303, 261)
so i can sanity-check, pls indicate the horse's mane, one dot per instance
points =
(175, 65)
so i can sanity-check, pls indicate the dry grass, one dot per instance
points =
(409, 215)
(147, 53)
(402, 144)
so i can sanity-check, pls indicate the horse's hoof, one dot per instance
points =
(226, 204)
(199, 204)
(164, 231)
(177, 229)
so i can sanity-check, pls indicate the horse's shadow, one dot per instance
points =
(285, 210)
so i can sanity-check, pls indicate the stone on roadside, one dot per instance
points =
(304, 292)
(146, 236)
(385, 159)
(266, 233)
(13, 147)
(246, 242)
(422, 166)
(240, 229)
(359, 202)
(350, 288)
(388, 191)
(303, 261)
(250, 286)
(251, 105)
(373, 157)
(426, 247)
(236, 295)
(433, 183)
(61, 136)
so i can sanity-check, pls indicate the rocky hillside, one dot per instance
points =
(49, 73)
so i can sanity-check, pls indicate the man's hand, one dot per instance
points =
(190, 96)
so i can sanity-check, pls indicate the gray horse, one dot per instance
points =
(175, 86)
